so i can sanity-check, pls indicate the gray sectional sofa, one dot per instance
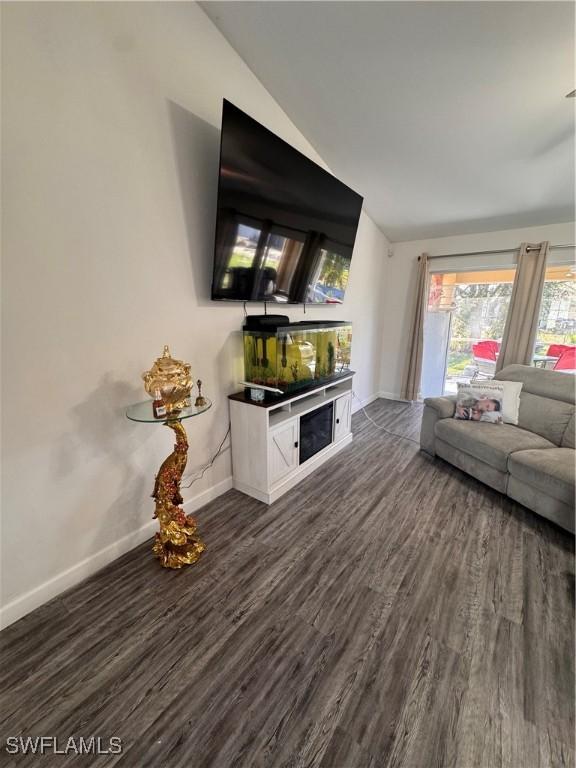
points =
(533, 462)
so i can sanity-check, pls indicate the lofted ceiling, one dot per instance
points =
(448, 117)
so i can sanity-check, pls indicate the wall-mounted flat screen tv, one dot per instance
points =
(285, 227)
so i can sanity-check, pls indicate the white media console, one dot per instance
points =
(277, 444)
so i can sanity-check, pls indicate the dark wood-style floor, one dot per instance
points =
(390, 611)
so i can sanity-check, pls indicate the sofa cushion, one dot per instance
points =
(553, 384)
(491, 443)
(550, 471)
(547, 417)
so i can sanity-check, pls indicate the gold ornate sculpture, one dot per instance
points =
(177, 542)
(172, 378)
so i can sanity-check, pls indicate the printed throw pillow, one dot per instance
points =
(511, 400)
(480, 402)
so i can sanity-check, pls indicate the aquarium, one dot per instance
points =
(291, 356)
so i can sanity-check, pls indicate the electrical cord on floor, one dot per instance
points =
(211, 462)
(379, 426)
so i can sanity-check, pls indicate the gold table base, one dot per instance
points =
(177, 543)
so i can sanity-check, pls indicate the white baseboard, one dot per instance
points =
(356, 406)
(385, 395)
(71, 576)
(393, 396)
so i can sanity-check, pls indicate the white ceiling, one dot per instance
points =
(448, 117)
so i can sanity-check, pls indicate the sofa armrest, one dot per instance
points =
(435, 408)
(444, 406)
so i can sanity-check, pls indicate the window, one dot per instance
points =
(556, 335)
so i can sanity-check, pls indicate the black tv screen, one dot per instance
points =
(285, 227)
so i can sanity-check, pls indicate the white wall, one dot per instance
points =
(110, 144)
(400, 280)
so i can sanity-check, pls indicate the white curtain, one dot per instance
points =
(413, 371)
(522, 319)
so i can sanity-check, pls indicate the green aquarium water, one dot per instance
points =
(297, 355)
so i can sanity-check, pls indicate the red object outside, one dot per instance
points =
(556, 350)
(567, 360)
(486, 350)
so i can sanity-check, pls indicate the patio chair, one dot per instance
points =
(567, 361)
(556, 350)
(485, 353)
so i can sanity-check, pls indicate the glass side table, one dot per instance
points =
(177, 543)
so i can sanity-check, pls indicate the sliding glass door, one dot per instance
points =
(463, 327)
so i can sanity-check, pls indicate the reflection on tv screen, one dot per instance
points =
(329, 283)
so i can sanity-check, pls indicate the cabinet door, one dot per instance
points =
(342, 416)
(283, 450)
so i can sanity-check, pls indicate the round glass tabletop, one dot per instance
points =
(143, 412)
